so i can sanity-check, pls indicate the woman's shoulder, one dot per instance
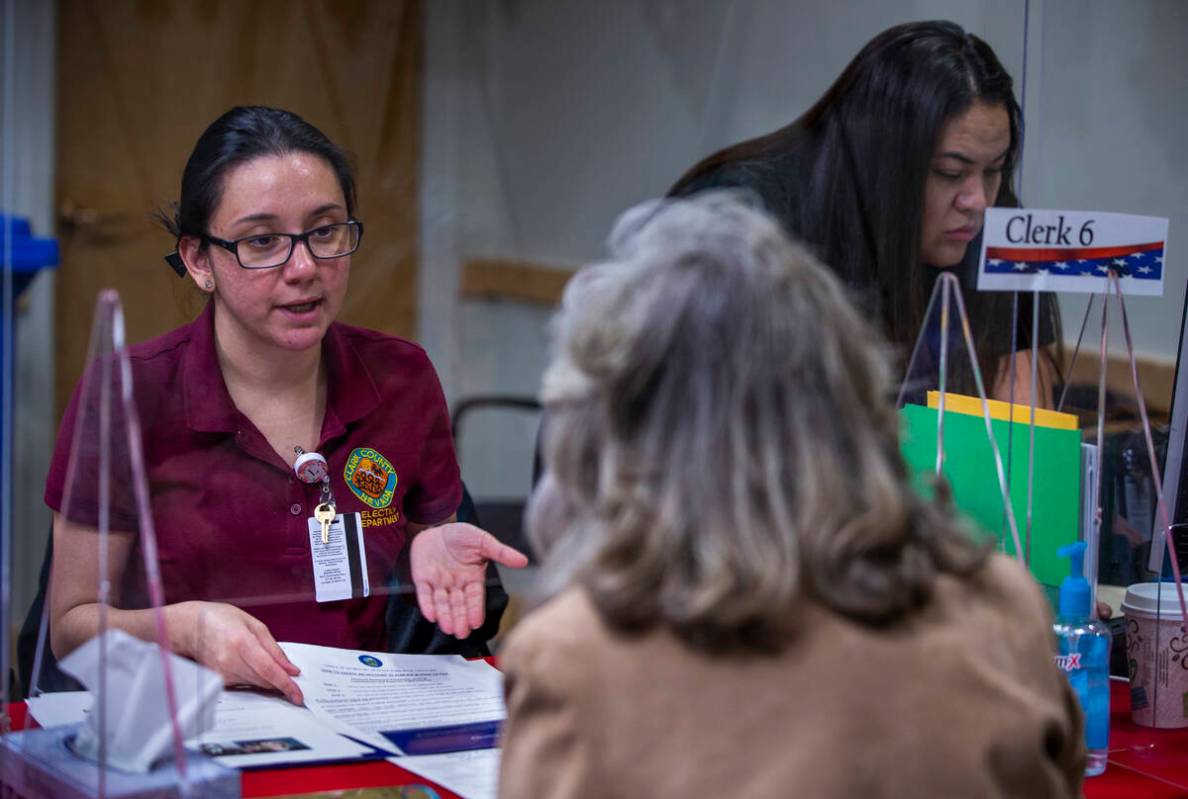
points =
(1001, 593)
(376, 347)
(563, 620)
(564, 632)
(755, 176)
(376, 339)
(1005, 576)
(170, 344)
(773, 183)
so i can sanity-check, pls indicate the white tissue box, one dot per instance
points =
(38, 764)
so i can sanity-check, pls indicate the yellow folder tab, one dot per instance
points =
(959, 403)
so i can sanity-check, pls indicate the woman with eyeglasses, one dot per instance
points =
(293, 461)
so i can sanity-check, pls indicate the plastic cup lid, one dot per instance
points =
(1149, 599)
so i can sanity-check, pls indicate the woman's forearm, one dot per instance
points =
(81, 623)
(1013, 380)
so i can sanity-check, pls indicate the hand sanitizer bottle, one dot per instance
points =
(1083, 654)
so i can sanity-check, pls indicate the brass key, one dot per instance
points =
(324, 514)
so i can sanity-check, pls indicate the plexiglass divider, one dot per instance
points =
(943, 369)
(7, 193)
(1156, 635)
(106, 580)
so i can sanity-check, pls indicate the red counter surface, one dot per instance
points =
(1146, 763)
(1151, 764)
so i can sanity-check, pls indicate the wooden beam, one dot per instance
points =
(510, 279)
(1157, 377)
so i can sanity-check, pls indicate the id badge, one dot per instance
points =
(340, 564)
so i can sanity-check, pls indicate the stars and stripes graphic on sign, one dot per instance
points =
(1138, 261)
(1072, 251)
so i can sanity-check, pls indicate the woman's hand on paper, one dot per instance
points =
(449, 570)
(235, 644)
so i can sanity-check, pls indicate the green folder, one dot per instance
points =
(969, 467)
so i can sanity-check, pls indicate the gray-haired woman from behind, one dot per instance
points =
(750, 599)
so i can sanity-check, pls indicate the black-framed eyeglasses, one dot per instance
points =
(267, 250)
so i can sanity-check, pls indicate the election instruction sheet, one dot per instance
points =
(406, 704)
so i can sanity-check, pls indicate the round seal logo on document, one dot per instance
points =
(370, 477)
(370, 660)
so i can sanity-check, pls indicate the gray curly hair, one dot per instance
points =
(720, 442)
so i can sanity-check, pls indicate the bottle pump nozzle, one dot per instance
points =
(1074, 591)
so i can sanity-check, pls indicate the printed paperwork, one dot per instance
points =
(357, 702)
(405, 704)
(250, 730)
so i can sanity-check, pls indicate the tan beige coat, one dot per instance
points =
(959, 700)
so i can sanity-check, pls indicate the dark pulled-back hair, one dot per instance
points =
(848, 177)
(238, 136)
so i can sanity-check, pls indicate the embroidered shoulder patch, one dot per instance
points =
(370, 477)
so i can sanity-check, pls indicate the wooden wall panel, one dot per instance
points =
(139, 80)
(506, 279)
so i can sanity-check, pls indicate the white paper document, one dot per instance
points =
(471, 775)
(250, 729)
(256, 730)
(407, 704)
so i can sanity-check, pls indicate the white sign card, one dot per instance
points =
(1027, 249)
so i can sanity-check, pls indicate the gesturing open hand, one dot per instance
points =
(449, 570)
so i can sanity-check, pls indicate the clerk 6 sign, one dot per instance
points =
(1073, 251)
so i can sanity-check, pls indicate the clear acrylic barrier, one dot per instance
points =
(215, 542)
(958, 420)
(143, 704)
(212, 546)
(1082, 153)
(530, 165)
(1074, 119)
(7, 187)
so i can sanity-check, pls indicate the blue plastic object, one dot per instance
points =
(1075, 595)
(26, 255)
(1083, 654)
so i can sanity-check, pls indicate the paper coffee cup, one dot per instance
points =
(1157, 654)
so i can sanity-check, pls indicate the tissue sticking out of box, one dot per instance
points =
(139, 732)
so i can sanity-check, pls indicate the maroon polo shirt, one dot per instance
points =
(230, 515)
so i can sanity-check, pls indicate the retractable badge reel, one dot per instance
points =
(311, 468)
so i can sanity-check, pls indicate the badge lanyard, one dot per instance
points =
(336, 540)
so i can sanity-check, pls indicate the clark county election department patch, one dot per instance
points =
(370, 477)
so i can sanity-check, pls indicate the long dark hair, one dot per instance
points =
(848, 176)
(238, 136)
